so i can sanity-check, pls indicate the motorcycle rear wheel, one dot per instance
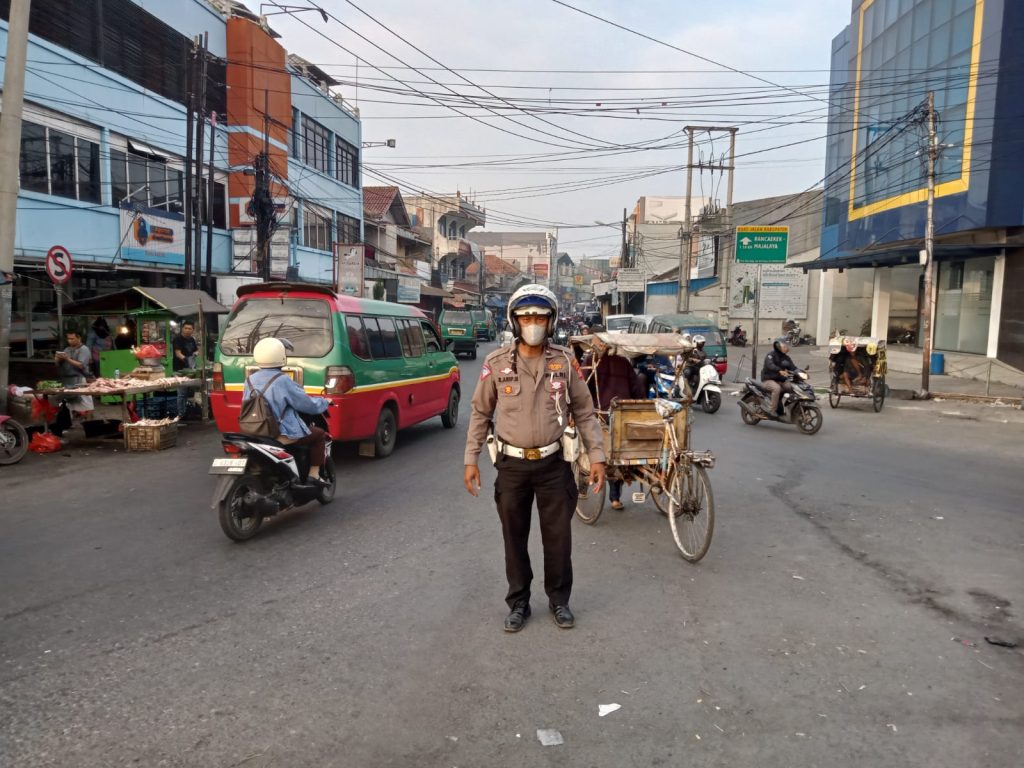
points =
(13, 442)
(747, 417)
(236, 526)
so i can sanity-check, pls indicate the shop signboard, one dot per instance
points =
(351, 266)
(152, 235)
(409, 290)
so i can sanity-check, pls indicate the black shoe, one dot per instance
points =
(563, 617)
(517, 617)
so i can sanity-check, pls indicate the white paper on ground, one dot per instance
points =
(607, 709)
(549, 737)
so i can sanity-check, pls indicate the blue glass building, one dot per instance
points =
(884, 64)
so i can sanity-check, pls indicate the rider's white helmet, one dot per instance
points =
(270, 353)
(698, 341)
(532, 299)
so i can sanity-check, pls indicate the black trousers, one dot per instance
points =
(551, 482)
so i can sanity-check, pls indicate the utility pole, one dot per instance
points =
(207, 282)
(686, 252)
(10, 153)
(189, 181)
(197, 247)
(929, 247)
(683, 304)
(262, 202)
(625, 254)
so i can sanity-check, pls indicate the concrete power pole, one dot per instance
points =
(686, 236)
(929, 247)
(10, 152)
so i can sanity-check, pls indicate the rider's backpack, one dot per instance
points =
(257, 417)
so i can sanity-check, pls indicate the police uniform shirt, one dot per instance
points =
(525, 409)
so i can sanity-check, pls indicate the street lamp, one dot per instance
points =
(391, 143)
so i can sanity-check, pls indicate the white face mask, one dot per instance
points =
(534, 335)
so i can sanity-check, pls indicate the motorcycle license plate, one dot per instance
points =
(228, 466)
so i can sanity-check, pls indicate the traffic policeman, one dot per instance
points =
(526, 394)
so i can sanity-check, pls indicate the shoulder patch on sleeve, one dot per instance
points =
(485, 372)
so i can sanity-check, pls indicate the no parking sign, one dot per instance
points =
(58, 264)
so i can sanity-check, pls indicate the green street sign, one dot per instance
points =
(762, 245)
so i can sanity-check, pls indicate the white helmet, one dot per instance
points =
(269, 353)
(532, 300)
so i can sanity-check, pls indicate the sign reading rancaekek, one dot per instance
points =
(762, 245)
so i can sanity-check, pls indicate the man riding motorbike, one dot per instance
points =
(693, 360)
(287, 400)
(778, 371)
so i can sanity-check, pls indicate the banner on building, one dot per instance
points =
(152, 235)
(245, 253)
(783, 291)
(350, 267)
(706, 263)
(409, 290)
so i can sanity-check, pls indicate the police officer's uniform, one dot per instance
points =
(529, 415)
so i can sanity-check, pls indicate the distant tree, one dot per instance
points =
(379, 291)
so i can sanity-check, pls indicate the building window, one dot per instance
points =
(130, 175)
(56, 163)
(348, 229)
(316, 229)
(347, 158)
(219, 205)
(314, 144)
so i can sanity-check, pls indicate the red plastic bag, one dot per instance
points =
(43, 410)
(44, 442)
(148, 351)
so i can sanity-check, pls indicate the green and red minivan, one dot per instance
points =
(382, 364)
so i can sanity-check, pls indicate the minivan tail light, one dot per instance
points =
(218, 377)
(339, 379)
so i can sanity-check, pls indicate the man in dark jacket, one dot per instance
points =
(778, 371)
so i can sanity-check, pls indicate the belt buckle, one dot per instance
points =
(533, 454)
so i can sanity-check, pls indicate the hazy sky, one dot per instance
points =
(610, 137)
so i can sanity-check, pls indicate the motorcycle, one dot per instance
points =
(798, 407)
(708, 390)
(261, 477)
(561, 336)
(792, 335)
(13, 441)
(738, 337)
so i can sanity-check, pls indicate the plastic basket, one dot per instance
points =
(149, 437)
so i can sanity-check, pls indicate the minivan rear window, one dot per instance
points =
(455, 318)
(306, 323)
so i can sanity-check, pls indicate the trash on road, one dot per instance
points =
(798, 578)
(607, 709)
(962, 641)
(549, 737)
(890, 725)
(1001, 642)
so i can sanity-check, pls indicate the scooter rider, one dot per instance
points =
(777, 373)
(287, 399)
(529, 390)
(694, 359)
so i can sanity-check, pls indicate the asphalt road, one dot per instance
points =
(818, 630)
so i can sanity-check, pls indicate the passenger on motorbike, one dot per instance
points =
(778, 371)
(287, 400)
(693, 361)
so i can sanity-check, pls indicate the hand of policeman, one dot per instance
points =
(597, 477)
(471, 479)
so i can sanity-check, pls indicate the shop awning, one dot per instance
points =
(179, 301)
(894, 257)
(429, 290)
